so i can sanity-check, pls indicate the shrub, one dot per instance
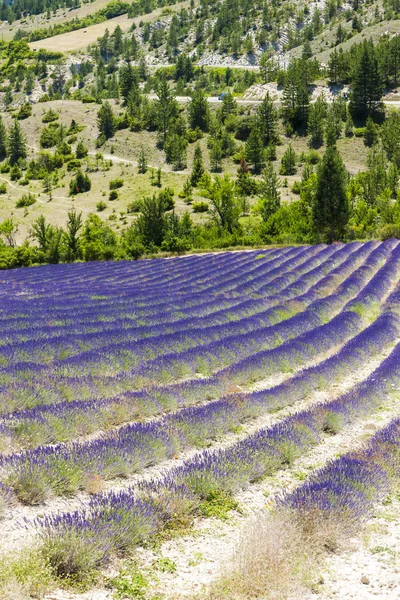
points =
(25, 111)
(359, 131)
(116, 183)
(73, 164)
(81, 150)
(80, 183)
(49, 137)
(15, 173)
(134, 207)
(200, 207)
(3, 188)
(100, 206)
(296, 188)
(50, 116)
(113, 195)
(26, 200)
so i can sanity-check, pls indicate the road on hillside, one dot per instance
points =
(215, 100)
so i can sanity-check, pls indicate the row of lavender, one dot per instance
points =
(63, 469)
(122, 331)
(37, 385)
(67, 419)
(115, 521)
(110, 313)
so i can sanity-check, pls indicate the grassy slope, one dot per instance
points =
(77, 40)
(41, 21)
(127, 145)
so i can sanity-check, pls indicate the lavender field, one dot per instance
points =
(142, 401)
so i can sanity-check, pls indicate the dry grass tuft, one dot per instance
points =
(278, 556)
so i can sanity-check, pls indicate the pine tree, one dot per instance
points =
(271, 199)
(316, 123)
(216, 155)
(267, 118)
(3, 140)
(80, 183)
(16, 143)
(349, 126)
(288, 162)
(106, 120)
(142, 162)
(198, 166)
(331, 209)
(198, 111)
(367, 89)
(371, 132)
(166, 108)
(254, 149)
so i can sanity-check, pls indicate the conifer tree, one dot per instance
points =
(288, 162)
(216, 155)
(166, 108)
(367, 89)
(267, 118)
(254, 149)
(271, 199)
(198, 166)
(142, 162)
(331, 208)
(198, 111)
(16, 143)
(3, 140)
(106, 120)
(371, 132)
(316, 123)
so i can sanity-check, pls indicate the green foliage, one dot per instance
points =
(198, 166)
(200, 207)
(79, 184)
(217, 503)
(129, 584)
(115, 184)
(288, 162)
(25, 111)
(113, 195)
(100, 206)
(16, 143)
(50, 116)
(81, 150)
(26, 200)
(367, 88)
(331, 208)
(106, 121)
(26, 574)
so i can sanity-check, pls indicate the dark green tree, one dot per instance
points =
(16, 143)
(254, 149)
(142, 162)
(316, 123)
(198, 111)
(166, 108)
(79, 184)
(106, 120)
(270, 199)
(371, 132)
(197, 167)
(267, 117)
(288, 162)
(367, 88)
(331, 208)
(3, 140)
